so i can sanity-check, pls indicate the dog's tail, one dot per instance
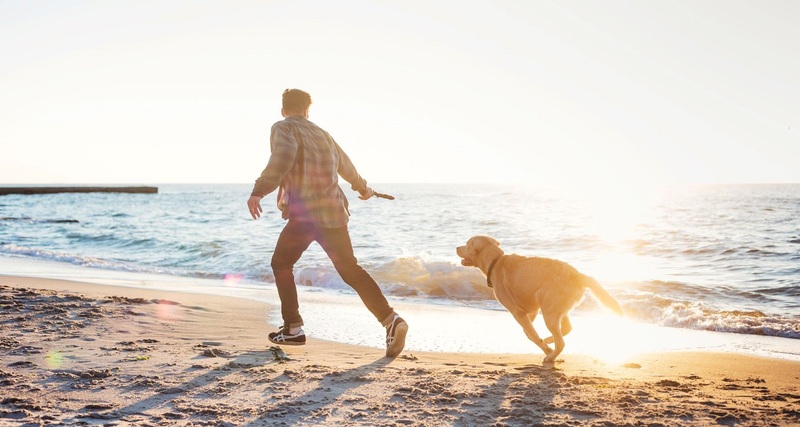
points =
(602, 295)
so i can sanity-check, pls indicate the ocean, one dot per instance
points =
(719, 259)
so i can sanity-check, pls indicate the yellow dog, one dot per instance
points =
(524, 285)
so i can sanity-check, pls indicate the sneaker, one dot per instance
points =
(284, 337)
(396, 336)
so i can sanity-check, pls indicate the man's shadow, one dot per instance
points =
(323, 394)
(531, 386)
(524, 394)
(159, 398)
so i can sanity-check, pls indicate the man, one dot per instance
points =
(305, 166)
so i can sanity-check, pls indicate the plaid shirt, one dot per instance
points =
(305, 165)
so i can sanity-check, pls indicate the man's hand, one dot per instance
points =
(254, 205)
(366, 194)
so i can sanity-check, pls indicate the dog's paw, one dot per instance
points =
(551, 361)
(549, 340)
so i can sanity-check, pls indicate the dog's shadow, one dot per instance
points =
(525, 393)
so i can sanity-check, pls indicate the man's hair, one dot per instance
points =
(296, 100)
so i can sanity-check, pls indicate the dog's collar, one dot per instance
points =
(489, 272)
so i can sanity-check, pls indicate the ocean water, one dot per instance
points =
(722, 258)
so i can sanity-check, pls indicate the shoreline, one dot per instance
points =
(85, 354)
(324, 308)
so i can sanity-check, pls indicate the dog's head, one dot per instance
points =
(470, 252)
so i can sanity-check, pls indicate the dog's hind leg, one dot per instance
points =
(554, 322)
(566, 327)
(526, 321)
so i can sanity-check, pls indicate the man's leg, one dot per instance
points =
(293, 241)
(336, 243)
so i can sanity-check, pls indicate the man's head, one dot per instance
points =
(295, 102)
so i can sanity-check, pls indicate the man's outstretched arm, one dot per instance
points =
(284, 151)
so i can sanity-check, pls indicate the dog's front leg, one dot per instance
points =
(526, 322)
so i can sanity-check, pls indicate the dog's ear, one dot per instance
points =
(480, 242)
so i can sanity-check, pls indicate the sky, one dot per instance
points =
(610, 93)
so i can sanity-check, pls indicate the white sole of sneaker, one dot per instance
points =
(287, 343)
(399, 340)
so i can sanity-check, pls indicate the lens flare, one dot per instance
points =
(169, 311)
(54, 359)
(231, 279)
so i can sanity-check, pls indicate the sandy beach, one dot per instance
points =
(83, 354)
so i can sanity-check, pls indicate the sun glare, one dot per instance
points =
(607, 337)
(618, 340)
(615, 213)
(619, 267)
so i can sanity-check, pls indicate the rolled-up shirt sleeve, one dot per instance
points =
(283, 146)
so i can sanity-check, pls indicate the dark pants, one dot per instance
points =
(294, 240)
